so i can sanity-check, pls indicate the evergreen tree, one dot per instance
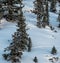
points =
(22, 29)
(53, 6)
(20, 39)
(53, 51)
(45, 20)
(38, 4)
(41, 8)
(59, 19)
(35, 59)
(9, 9)
(29, 45)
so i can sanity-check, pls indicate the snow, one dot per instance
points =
(43, 39)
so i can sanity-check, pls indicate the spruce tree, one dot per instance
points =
(22, 29)
(53, 51)
(20, 39)
(9, 9)
(53, 6)
(38, 4)
(45, 20)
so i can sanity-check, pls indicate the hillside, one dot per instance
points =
(43, 39)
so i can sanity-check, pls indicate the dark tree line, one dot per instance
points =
(41, 8)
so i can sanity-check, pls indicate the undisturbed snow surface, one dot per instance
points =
(42, 39)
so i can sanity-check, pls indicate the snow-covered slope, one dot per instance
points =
(42, 39)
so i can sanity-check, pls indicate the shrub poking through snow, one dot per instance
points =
(35, 59)
(53, 51)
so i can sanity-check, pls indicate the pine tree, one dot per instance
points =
(9, 10)
(38, 4)
(15, 51)
(22, 29)
(59, 19)
(35, 59)
(53, 6)
(53, 51)
(45, 20)
(20, 39)
(29, 45)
